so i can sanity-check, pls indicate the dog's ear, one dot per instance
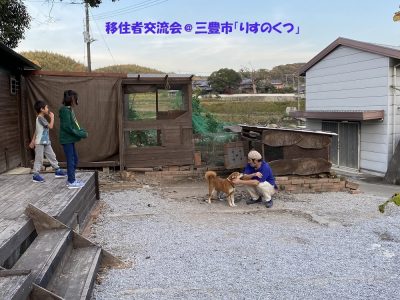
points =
(234, 175)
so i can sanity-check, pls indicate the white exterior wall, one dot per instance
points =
(351, 79)
(394, 105)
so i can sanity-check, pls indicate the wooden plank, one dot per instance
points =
(167, 156)
(42, 221)
(108, 259)
(157, 151)
(92, 164)
(6, 273)
(77, 74)
(155, 124)
(44, 254)
(14, 236)
(52, 197)
(39, 293)
(75, 279)
(16, 287)
(96, 182)
(340, 115)
(122, 99)
(10, 147)
(79, 201)
(89, 201)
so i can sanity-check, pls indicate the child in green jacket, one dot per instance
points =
(70, 133)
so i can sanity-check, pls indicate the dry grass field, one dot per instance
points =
(251, 111)
(247, 110)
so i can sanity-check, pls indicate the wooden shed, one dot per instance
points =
(12, 67)
(156, 121)
(133, 120)
(290, 151)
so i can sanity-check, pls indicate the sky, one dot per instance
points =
(58, 27)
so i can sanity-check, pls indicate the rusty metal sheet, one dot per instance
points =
(300, 166)
(281, 138)
(314, 141)
(295, 151)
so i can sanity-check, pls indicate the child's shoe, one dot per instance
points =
(75, 185)
(37, 178)
(60, 173)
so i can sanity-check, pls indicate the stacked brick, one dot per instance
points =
(307, 184)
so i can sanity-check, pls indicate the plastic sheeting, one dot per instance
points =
(97, 112)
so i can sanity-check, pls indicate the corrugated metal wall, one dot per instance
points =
(10, 149)
(345, 146)
(348, 145)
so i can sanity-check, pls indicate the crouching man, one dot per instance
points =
(258, 180)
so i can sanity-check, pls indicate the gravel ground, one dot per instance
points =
(308, 246)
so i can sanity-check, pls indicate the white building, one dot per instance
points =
(352, 88)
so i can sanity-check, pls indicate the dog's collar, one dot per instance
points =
(231, 183)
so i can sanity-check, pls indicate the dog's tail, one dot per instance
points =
(209, 175)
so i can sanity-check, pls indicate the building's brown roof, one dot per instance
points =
(12, 59)
(364, 115)
(389, 51)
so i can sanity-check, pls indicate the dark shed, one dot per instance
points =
(12, 68)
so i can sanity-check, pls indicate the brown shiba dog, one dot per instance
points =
(219, 184)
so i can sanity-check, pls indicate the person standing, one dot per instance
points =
(258, 180)
(41, 142)
(70, 133)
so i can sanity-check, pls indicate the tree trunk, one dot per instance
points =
(393, 172)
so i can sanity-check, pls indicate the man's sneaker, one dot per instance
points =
(269, 204)
(251, 201)
(37, 178)
(75, 185)
(60, 173)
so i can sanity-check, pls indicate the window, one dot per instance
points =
(161, 104)
(14, 85)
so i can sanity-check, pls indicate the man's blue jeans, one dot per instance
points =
(72, 160)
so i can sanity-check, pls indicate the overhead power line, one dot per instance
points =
(102, 36)
(128, 9)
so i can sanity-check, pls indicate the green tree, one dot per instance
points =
(132, 68)
(54, 62)
(256, 77)
(14, 20)
(94, 3)
(224, 80)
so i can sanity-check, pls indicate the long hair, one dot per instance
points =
(69, 96)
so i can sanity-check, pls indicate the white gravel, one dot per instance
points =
(308, 246)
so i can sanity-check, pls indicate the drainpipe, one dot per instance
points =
(394, 108)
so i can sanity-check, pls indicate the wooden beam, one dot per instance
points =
(92, 164)
(79, 74)
(40, 293)
(108, 260)
(7, 273)
(41, 220)
(340, 115)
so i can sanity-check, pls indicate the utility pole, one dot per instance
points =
(87, 39)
